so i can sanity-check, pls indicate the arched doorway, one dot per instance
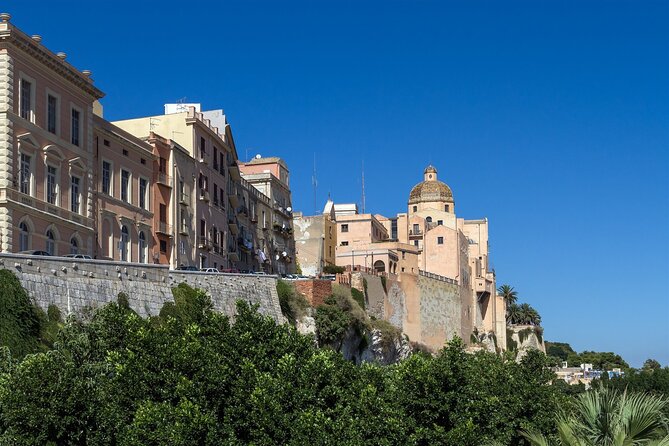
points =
(125, 243)
(379, 266)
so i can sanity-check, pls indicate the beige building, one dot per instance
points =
(270, 176)
(429, 241)
(315, 240)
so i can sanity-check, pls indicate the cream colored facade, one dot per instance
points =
(315, 240)
(428, 240)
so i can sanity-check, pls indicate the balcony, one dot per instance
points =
(233, 254)
(164, 179)
(282, 210)
(483, 287)
(204, 195)
(163, 228)
(17, 197)
(415, 233)
(204, 243)
(232, 224)
(183, 230)
(183, 199)
(242, 210)
(232, 196)
(244, 244)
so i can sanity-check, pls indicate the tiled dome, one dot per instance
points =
(431, 189)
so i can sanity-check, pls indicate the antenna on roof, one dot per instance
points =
(314, 183)
(363, 186)
(180, 104)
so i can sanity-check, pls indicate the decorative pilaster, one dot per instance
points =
(6, 146)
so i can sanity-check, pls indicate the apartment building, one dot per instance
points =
(270, 176)
(46, 148)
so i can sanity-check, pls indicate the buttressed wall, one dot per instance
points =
(76, 286)
(428, 310)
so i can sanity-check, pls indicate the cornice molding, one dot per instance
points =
(11, 36)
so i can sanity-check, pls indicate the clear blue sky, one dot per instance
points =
(551, 118)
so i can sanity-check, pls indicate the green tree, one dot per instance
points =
(604, 417)
(508, 294)
(21, 323)
(650, 365)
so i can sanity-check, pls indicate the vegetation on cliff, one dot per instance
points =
(190, 376)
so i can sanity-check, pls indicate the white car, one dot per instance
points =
(209, 270)
(78, 256)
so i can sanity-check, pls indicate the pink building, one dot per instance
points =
(46, 148)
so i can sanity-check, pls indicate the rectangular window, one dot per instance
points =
(440, 222)
(215, 159)
(416, 229)
(344, 228)
(143, 184)
(163, 246)
(440, 240)
(415, 243)
(163, 165)
(215, 194)
(203, 226)
(51, 113)
(446, 207)
(125, 185)
(76, 195)
(344, 243)
(203, 148)
(76, 127)
(163, 213)
(51, 184)
(106, 177)
(24, 174)
(26, 106)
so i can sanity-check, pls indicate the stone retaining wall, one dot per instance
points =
(314, 290)
(76, 286)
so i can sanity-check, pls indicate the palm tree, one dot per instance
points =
(513, 314)
(508, 293)
(606, 417)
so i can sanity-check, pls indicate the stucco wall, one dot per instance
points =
(75, 286)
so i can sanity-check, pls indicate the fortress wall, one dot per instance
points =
(76, 286)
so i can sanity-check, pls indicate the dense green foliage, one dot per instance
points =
(333, 269)
(24, 328)
(190, 376)
(608, 417)
(359, 297)
(293, 304)
(561, 351)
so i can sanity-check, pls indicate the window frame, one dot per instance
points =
(110, 192)
(78, 196)
(51, 93)
(80, 133)
(56, 185)
(128, 188)
(146, 205)
(33, 89)
(31, 177)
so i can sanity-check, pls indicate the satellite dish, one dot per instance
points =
(277, 256)
(258, 156)
(289, 209)
(284, 253)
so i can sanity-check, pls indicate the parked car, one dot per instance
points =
(187, 268)
(260, 273)
(330, 277)
(231, 270)
(33, 252)
(210, 270)
(78, 256)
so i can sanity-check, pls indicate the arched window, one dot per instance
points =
(74, 246)
(125, 243)
(142, 247)
(50, 242)
(379, 266)
(24, 235)
(428, 219)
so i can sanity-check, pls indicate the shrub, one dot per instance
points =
(331, 323)
(333, 269)
(293, 305)
(387, 330)
(358, 297)
(383, 284)
(21, 322)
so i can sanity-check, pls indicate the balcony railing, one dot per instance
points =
(204, 195)
(7, 194)
(183, 199)
(163, 228)
(164, 179)
(415, 232)
(437, 277)
(204, 243)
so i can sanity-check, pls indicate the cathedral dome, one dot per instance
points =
(430, 189)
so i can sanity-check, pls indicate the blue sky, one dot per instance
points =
(551, 118)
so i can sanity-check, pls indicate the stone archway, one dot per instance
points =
(379, 266)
